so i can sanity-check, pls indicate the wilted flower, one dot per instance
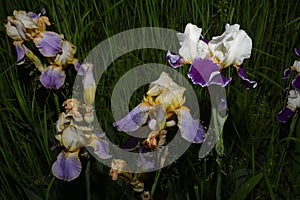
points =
(31, 27)
(208, 58)
(118, 166)
(163, 100)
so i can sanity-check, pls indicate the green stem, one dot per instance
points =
(155, 183)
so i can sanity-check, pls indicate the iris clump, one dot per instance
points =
(28, 27)
(293, 100)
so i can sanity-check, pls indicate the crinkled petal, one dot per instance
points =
(25, 19)
(296, 82)
(67, 167)
(49, 43)
(205, 72)
(174, 60)
(249, 84)
(53, 77)
(67, 53)
(134, 119)
(287, 73)
(191, 130)
(16, 30)
(100, 148)
(283, 115)
(297, 51)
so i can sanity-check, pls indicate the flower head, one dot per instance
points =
(208, 58)
(293, 104)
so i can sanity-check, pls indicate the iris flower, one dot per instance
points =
(208, 58)
(292, 104)
(295, 67)
(163, 100)
(30, 27)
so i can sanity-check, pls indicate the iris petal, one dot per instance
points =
(297, 51)
(49, 43)
(67, 167)
(100, 148)
(283, 115)
(287, 73)
(190, 129)
(134, 119)
(20, 52)
(205, 72)
(296, 82)
(53, 77)
(174, 60)
(245, 81)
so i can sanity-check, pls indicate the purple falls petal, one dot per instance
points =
(297, 51)
(20, 52)
(49, 43)
(191, 130)
(249, 84)
(287, 73)
(174, 60)
(67, 167)
(296, 82)
(283, 115)
(78, 67)
(205, 72)
(146, 161)
(100, 148)
(134, 119)
(52, 77)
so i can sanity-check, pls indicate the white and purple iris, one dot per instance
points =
(163, 100)
(208, 58)
(30, 27)
(293, 102)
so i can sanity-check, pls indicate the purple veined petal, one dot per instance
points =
(287, 73)
(296, 82)
(297, 51)
(174, 60)
(205, 72)
(134, 119)
(67, 167)
(49, 43)
(284, 114)
(52, 77)
(191, 130)
(249, 84)
(100, 148)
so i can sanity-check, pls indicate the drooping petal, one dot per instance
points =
(16, 30)
(249, 84)
(174, 60)
(100, 148)
(67, 167)
(52, 77)
(78, 67)
(67, 53)
(287, 73)
(134, 119)
(191, 130)
(297, 51)
(49, 43)
(205, 72)
(296, 82)
(20, 52)
(25, 19)
(283, 115)
(189, 42)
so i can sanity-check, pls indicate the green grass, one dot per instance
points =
(261, 158)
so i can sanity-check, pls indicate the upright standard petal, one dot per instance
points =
(134, 119)
(49, 43)
(25, 19)
(16, 30)
(189, 42)
(67, 167)
(52, 77)
(191, 130)
(205, 72)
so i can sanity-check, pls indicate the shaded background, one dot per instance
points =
(261, 158)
